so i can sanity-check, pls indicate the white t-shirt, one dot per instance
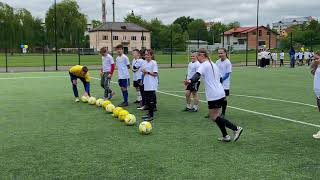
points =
(259, 55)
(307, 55)
(300, 55)
(192, 69)
(211, 76)
(224, 68)
(107, 61)
(122, 65)
(317, 82)
(282, 55)
(137, 63)
(264, 54)
(274, 56)
(150, 82)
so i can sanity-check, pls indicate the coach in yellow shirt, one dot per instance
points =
(82, 73)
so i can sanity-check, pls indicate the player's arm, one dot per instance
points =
(195, 78)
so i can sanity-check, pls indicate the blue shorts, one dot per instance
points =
(124, 83)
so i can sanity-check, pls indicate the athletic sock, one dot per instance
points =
(189, 106)
(230, 125)
(222, 126)
(139, 96)
(195, 107)
(125, 96)
(224, 107)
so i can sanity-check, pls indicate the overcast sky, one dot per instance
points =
(225, 11)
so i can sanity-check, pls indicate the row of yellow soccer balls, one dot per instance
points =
(118, 112)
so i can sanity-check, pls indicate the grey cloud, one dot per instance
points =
(243, 11)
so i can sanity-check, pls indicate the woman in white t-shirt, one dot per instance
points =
(281, 58)
(316, 72)
(150, 82)
(215, 94)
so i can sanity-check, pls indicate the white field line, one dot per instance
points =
(257, 97)
(175, 95)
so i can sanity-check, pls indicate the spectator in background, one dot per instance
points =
(259, 58)
(292, 54)
(281, 58)
(268, 57)
(274, 57)
(307, 56)
(300, 56)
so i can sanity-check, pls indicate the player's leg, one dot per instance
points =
(196, 100)
(136, 85)
(102, 82)
(188, 100)
(123, 83)
(86, 86)
(74, 86)
(151, 103)
(222, 123)
(225, 102)
(143, 98)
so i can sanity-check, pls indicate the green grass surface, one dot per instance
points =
(35, 60)
(45, 135)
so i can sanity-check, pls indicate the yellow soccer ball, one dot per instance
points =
(116, 111)
(106, 103)
(84, 99)
(145, 127)
(130, 120)
(110, 108)
(99, 102)
(122, 115)
(92, 100)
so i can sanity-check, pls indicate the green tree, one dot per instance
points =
(184, 22)
(96, 23)
(71, 24)
(198, 29)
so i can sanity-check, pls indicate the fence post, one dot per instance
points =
(111, 42)
(79, 61)
(6, 54)
(55, 32)
(198, 39)
(247, 47)
(171, 46)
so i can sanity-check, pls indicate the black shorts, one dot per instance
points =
(137, 83)
(227, 91)
(217, 104)
(193, 87)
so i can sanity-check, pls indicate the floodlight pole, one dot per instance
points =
(114, 19)
(171, 46)
(257, 33)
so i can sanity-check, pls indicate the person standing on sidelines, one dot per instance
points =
(300, 56)
(215, 94)
(82, 73)
(106, 73)
(281, 58)
(150, 81)
(292, 54)
(123, 65)
(225, 69)
(192, 89)
(315, 70)
(274, 58)
(137, 73)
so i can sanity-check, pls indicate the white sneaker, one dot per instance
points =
(225, 139)
(237, 133)
(317, 136)
(77, 100)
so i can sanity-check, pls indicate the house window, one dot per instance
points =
(268, 33)
(124, 38)
(262, 43)
(143, 38)
(242, 41)
(260, 32)
(254, 33)
(133, 38)
(115, 38)
(105, 38)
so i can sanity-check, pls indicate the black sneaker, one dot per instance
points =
(145, 117)
(124, 104)
(186, 109)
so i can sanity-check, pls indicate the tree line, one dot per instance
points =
(18, 26)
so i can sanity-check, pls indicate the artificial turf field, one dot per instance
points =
(44, 134)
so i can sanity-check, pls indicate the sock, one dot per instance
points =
(189, 106)
(230, 125)
(139, 96)
(75, 91)
(222, 126)
(318, 102)
(125, 96)
(196, 107)
(224, 107)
